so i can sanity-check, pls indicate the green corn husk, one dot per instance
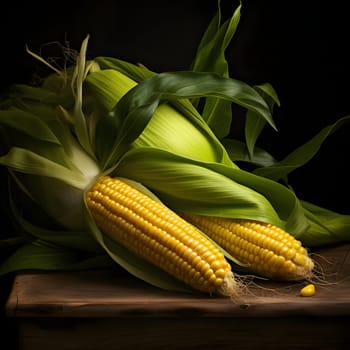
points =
(197, 141)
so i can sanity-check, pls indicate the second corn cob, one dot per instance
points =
(264, 248)
(151, 230)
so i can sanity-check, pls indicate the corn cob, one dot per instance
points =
(264, 248)
(151, 230)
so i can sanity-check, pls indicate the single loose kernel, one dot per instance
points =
(308, 291)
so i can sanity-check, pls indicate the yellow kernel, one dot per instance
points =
(197, 275)
(218, 282)
(212, 279)
(208, 273)
(216, 265)
(308, 290)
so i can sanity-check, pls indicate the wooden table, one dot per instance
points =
(109, 309)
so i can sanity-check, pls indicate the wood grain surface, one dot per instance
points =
(112, 293)
(109, 308)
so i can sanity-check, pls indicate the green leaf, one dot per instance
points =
(218, 114)
(80, 123)
(25, 161)
(53, 151)
(326, 226)
(188, 134)
(37, 127)
(186, 184)
(210, 57)
(135, 72)
(28, 124)
(301, 155)
(39, 256)
(269, 93)
(238, 152)
(254, 123)
(70, 239)
(19, 93)
(136, 108)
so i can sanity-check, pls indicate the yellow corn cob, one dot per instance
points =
(263, 248)
(151, 230)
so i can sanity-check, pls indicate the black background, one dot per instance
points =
(301, 48)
